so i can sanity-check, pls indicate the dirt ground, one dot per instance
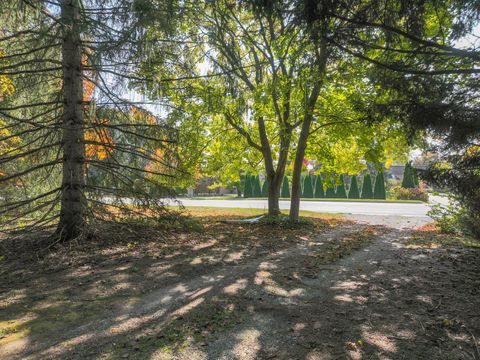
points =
(332, 290)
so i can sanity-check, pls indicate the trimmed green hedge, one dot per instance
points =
(307, 187)
(367, 187)
(265, 188)
(408, 181)
(319, 192)
(257, 189)
(341, 193)
(285, 193)
(248, 191)
(330, 190)
(354, 192)
(379, 191)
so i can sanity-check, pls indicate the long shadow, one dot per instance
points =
(40, 304)
(236, 300)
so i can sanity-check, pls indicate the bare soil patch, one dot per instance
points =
(331, 290)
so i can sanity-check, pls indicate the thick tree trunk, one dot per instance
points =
(72, 212)
(276, 178)
(275, 175)
(304, 133)
(297, 169)
(273, 195)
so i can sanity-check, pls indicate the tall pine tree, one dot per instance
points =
(92, 149)
(329, 188)
(415, 177)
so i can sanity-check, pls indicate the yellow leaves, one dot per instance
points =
(442, 165)
(6, 86)
(158, 162)
(472, 151)
(102, 142)
(88, 86)
(388, 163)
(142, 116)
(343, 156)
(6, 89)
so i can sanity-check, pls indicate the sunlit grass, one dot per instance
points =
(207, 211)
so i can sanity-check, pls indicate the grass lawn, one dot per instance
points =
(214, 212)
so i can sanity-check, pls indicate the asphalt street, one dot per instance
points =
(340, 207)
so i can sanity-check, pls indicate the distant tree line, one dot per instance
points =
(321, 186)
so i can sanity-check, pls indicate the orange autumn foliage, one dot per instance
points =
(100, 136)
(88, 86)
(154, 165)
(162, 162)
(103, 141)
(139, 115)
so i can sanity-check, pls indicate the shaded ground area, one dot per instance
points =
(332, 290)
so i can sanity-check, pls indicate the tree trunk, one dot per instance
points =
(274, 175)
(304, 133)
(73, 203)
(297, 169)
(275, 180)
(273, 195)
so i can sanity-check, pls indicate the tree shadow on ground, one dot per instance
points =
(228, 295)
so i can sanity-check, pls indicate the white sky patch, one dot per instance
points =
(470, 41)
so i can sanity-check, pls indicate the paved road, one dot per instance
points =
(354, 208)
